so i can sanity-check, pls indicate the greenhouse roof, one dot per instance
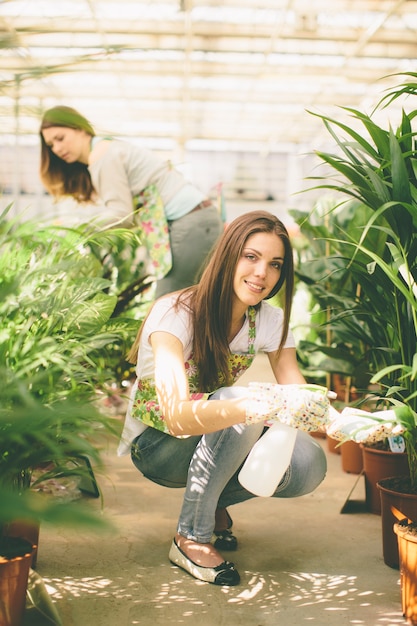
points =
(211, 73)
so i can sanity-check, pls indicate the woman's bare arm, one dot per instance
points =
(286, 369)
(183, 415)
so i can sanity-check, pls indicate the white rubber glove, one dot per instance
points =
(362, 426)
(305, 407)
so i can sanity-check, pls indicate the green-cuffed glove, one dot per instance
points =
(303, 406)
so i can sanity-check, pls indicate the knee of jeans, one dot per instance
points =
(315, 466)
(307, 469)
(319, 465)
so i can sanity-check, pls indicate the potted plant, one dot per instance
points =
(406, 532)
(372, 252)
(375, 195)
(338, 341)
(376, 167)
(61, 338)
(33, 434)
(345, 329)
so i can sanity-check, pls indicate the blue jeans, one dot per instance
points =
(208, 467)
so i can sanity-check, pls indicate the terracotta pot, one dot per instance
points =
(342, 385)
(407, 549)
(333, 445)
(379, 464)
(319, 434)
(14, 574)
(352, 458)
(397, 503)
(25, 530)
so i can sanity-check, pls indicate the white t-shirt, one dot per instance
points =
(164, 317)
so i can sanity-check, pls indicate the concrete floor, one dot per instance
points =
(301, 561)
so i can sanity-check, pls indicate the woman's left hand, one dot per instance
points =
(301, 406)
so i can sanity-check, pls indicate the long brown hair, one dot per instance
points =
(58, 177)
(210, 301)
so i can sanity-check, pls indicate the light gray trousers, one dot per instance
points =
(192, 237)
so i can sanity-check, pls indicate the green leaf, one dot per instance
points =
(88, 317)
(414, 368)
(400, 182)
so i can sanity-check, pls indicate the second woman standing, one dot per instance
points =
(179, 224)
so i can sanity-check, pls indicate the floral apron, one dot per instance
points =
(150, 217)
(145, 404)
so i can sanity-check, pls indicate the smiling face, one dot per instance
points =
(258, 269)
(68, 144)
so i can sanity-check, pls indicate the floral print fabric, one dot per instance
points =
(301, 406)
(150, 216)
(145, 405)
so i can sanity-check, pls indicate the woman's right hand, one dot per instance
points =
(362, 426)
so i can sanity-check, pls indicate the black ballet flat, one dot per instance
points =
(224, 540)
(223, 574)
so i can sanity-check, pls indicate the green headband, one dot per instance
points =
(68, 117)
